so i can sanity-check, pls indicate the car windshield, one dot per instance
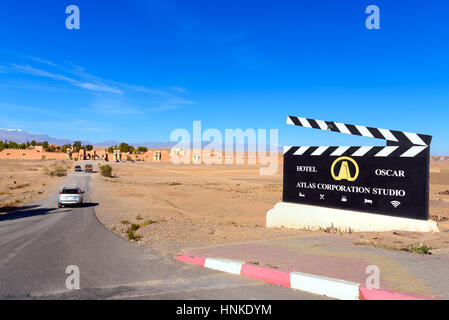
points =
(70, 191)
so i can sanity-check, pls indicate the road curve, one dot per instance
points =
(38, 241)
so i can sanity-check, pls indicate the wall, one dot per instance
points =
(32, 154)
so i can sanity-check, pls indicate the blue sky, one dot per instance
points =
(138, 69)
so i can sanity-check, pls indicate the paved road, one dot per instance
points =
(39, 241)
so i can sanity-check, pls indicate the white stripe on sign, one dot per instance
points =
(286, 148)
(289, 121)
(386, 151)
(301, 151)
(361, 151)
(413, 137)
(413, 151)
(388, 135)
(364, 131)
(322, 124)
(339, 151)
(342, 127)
(305, 122)
(225, 265)
(319, 151)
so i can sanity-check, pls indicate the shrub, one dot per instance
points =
(133, 237)
(134, 227)
(106, 170)
(61, 171)
(148, 222)
(417, 248)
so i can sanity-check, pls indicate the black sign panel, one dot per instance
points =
(392, 180)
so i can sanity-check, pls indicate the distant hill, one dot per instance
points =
(22, 136)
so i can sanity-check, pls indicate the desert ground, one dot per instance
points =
(174, 208)
(23, 181)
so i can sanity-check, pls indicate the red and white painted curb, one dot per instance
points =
(329, 287)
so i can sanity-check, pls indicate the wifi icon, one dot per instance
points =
(395, 203)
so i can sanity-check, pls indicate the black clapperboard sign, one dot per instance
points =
(391, 180)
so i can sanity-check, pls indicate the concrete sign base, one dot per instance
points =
(300, 216)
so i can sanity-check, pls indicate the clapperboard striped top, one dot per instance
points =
(400, 143)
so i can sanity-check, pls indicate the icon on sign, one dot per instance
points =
(368, 201)
(344, 173)
(321, 196)
(301, 195)
(395, 203)
(344, 199)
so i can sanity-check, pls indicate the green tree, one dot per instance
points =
(45, 145)
(13, 145)
(124, 147)
(89, 147)
(142, 149)
(111, 150)
(77, 146)
(33, 143)
(66, 147)
(2, 145)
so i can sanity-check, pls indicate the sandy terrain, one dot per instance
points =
(181, 207)
(22, 181)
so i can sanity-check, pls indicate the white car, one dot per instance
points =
(70, 196)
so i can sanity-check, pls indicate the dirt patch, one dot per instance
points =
(23, 181)
(193, 206)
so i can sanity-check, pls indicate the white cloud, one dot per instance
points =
(118, 98)
(97, 87)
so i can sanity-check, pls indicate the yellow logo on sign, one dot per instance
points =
(344, 172)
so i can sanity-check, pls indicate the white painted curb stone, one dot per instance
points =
(225, 265)
(333, 288)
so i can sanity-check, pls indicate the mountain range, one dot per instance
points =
(21, 136)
